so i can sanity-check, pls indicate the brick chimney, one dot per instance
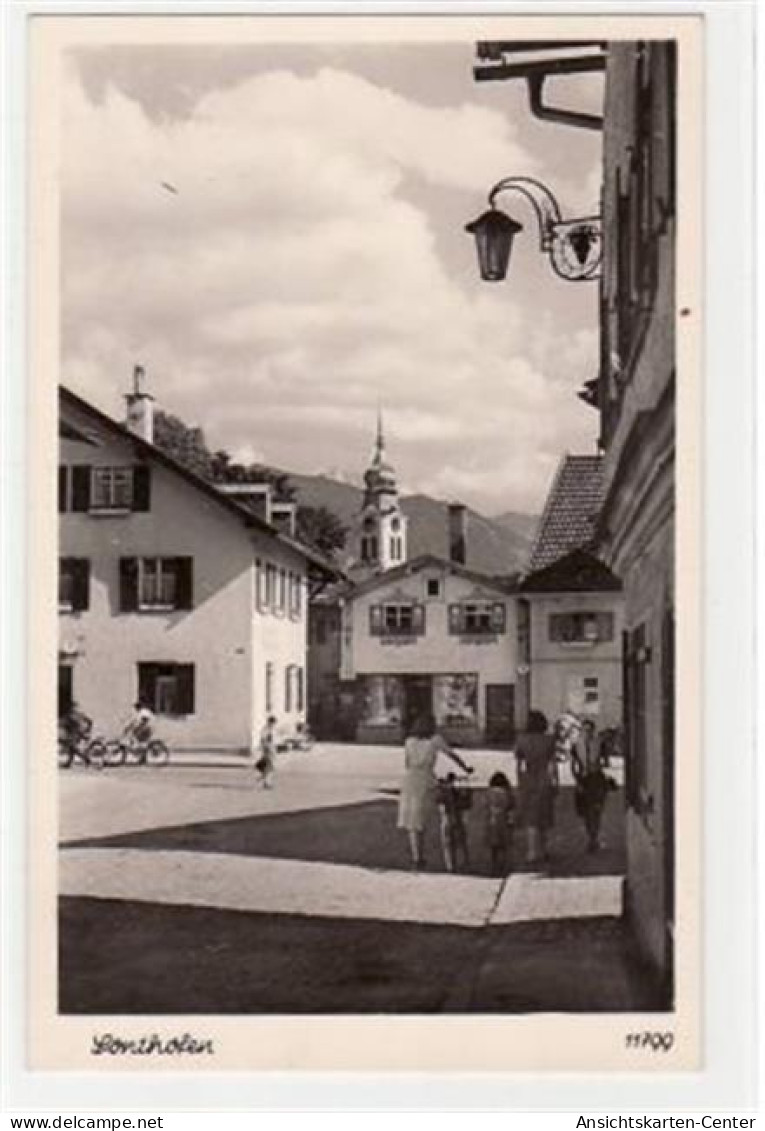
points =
(140, 408)
(458, 533)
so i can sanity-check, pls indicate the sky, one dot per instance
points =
(276, 233)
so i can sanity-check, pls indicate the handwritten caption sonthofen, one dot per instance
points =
(152, 1044)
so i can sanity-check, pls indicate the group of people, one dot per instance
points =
(539, 753)
(75, 727)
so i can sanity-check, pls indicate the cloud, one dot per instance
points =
(294, 280)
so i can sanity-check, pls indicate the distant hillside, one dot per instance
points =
(494, 545)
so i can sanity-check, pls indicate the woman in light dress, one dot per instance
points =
(417, 803)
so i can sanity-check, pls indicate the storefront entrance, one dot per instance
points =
(500, 714)
(418, 699)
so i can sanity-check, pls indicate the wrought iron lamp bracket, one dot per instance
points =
(574, 247)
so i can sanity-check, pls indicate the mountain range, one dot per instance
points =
(500, 545)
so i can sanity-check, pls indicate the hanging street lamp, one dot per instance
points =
(574, 247)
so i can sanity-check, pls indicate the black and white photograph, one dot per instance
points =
(374, 558)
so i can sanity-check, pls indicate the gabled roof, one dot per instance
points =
(150, 452)
(431, 561)
(577, 572)
(571, 510)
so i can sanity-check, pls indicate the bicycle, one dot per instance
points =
(127, 751)
(301, 739)
(91, 751)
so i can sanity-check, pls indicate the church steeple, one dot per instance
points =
(382, 524)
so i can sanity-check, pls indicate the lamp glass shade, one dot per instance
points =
(494, 233)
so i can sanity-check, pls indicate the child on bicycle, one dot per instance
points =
(140, 726)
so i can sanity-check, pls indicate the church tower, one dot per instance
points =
(381, 527)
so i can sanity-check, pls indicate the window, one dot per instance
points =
(583, 694)
(288, 687)
(73, 584)
(158, 584)
(300, 681)
(296, 595)
(401, 618)
(433, 587)
(282, 589)
(369, 548)
(105, 490)
(270, 585)
(581, 628)
(269, 687)
(168, 688)
(111, 488)
(477, 618)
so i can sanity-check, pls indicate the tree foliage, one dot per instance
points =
(317, 526)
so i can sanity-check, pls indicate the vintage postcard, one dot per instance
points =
(365, 406)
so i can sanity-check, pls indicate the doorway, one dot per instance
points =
(500, 714)
(418, 699)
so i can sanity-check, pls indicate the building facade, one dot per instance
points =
(172, 592)
(570, 621)
(570, 607)
(636, 398)
(430, 637)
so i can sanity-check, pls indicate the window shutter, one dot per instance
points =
(375, 620)
(128, 585)
(80, 584)
(147, 683)
(185, 674)
(455, 620)
(418, 619)
(141, 487)
(184, 581)
(555, 627)
(288, 688)
(63, 487)
(498, 617)
(81, 488)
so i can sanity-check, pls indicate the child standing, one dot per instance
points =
(453, 801)
(500, 810)
(266, 761)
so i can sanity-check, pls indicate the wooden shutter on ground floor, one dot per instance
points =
(498, 617)
(418, 619)
(375, 620)
(186, 689)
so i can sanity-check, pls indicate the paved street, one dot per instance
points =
(189, 889)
